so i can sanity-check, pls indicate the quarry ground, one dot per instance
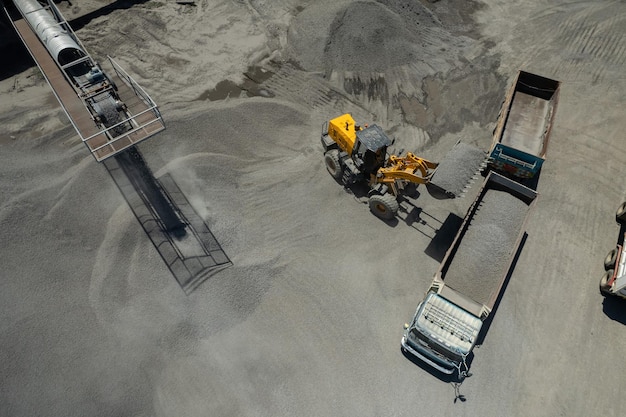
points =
(308, 320)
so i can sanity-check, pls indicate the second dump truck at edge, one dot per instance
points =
(613, 282)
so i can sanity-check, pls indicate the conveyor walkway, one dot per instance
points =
(179, 234)
(144, 115)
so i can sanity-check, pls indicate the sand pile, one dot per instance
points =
(488, 244)
(458, 168)
(370, 36)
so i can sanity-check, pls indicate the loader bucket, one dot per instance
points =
(459, 169)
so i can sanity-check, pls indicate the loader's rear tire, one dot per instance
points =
(384, 206)
(620, 214)
(604, 282)
(333, 166)
(609, 259)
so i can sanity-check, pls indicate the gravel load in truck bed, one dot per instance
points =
(487, 245)
(457, 168)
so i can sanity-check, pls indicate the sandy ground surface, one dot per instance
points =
(308, 320)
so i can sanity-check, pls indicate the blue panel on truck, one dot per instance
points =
(519, 163)
(523, 129)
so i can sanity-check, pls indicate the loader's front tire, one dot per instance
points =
(333, 166)
(609, 259)
(604, 282)
(620, 214)
(384, 206)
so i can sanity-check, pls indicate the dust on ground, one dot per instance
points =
(308, 319)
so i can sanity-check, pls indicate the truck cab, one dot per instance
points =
(441, 334)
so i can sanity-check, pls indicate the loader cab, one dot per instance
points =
(370, 149)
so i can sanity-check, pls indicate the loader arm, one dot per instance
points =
(409, 168)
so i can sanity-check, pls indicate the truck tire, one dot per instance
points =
(620, 214)
(333, 166)
(604, 282)
(609, 260)
(384, 206)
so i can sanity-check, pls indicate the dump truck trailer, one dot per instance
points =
(520, 139)
(613, 282)
(471, 276)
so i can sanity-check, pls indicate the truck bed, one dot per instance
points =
(481, 254)
(527, 124)
(521, 136)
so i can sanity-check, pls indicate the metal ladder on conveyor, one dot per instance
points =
(447, 322)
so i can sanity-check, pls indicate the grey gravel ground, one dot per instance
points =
(308, 319)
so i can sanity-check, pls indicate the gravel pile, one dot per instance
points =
(370, 37)
(457, 168)
(373, 37)
(487, 246)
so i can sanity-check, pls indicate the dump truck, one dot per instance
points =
(522, 133)
(471, 276)
(613, 282)
(356, 153)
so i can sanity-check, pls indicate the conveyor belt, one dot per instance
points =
(146, 120)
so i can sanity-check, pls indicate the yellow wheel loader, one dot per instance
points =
(354, 153)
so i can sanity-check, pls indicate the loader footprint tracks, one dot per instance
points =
(593, 39)
(312, 91)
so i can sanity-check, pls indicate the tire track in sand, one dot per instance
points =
(594, 44)
(314, 93)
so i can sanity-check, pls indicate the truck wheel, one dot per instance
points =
(604, 282)
(333, 166)
(609, 260)
(620, 214)
(384, 206)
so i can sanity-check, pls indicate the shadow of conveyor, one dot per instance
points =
(82, 21)
(11, 46)
(179, 234)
